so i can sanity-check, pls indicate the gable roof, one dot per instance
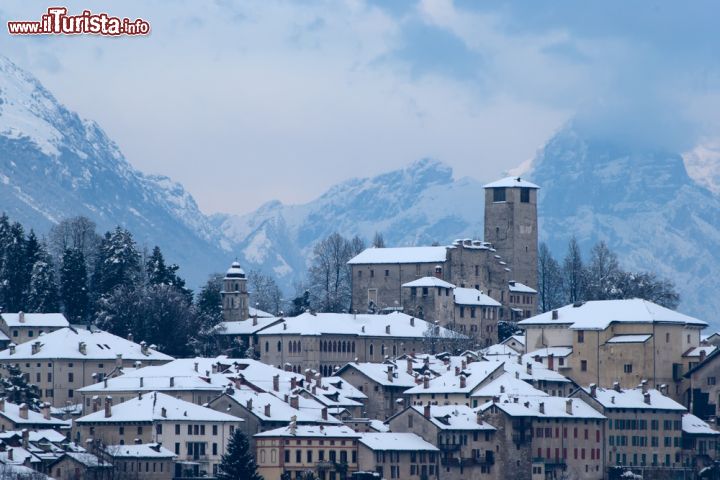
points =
(396, 441)
(400, 255)
(429, 282)
(57, 320)
(510, 182)
(633, 398)
(472, 296)
(311, 431)
(453, 417)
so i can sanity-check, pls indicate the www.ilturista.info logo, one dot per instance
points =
(57, 22)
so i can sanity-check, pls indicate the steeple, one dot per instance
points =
(234, 294)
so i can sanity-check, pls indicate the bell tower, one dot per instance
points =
(234, 294)
(511, 226)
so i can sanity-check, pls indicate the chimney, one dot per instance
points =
(644, 386)
(496, 399)
(10, 454)
(463, 364)
(293, 383)
(469, 359)
(82, 347)
(551, 362)
(324, 413)
(426, 381)
(288, 367)
(314, 389)
(163, 412)
(412, 321)
(528, 368)
(118, 360)
(646, 397)
(214, 368)
(196, 365)
(2, 404)
(143, 347)
(12, 349)
(96, 403)
(612, 399)
(45, 409)
(568, 406)
(463, 381)
(541, 407)
(267, 410)
(457, 370)
(318, 379)
(276, 383)
(438, 272)
(35, 347)
(517, 374)
(24, 411)
(663, 389)
(172, 381)
(142, 382)
(104, 382)
(389, 374)
(502, 388)
(130, 337)
(249, 404)
(702, 355)
(426, 361)
(616, 386)
(426, 410)
(409, 366)
(593, 390)
(25, 438)
(108, 407)
(308, 376)
(21, 317)
(294, 402)
(479, 417)
(555, 315)
(255, 320)
(387, 329)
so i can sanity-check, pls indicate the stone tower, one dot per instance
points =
(511, 226)
(234, 294)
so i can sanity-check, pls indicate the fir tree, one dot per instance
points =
(43, 295)
(74, 285)
(118, 262)
(238, 461)
(15, 279)
(17, 390)
(158, 273)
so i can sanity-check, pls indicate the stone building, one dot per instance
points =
(699, 443)
(326, 341)
(703, 394)
(511, 225)
(195, 434)
(23, 327)
(643, 429)
(67, 359)
(331, 452)
(398, 455)
(18, 417)
(235, 303)
(623, 341)
(145, 461)
(466, 441)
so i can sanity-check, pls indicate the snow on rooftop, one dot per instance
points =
(498, 350)
(634, 398)
(474, 373)
(99, 345)
(510, 182)
(538, 371)
(510, 385)
(149, 383)
(472, 296)
(88, 459)
(429, 282)
(235, 270)
(361, 325)
(552, 407)
(599, 314)
(629, 339)
(400, 255)
(518, 287)
(11, 411)
(396, 441)
(454, 417)
(694, 426)
(256, 312)
(35, 320)
(377, 372)
(547, 351)
(696, 352)
(246, 327)
(321, 431)
(143, 450)
(157, 406)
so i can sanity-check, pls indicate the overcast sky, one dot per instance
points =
(245, 102)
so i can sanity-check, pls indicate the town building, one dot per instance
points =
(331, 452)
(145, 461)
(398, 455)
(18, 417)
(235, 302)
(622, 341)
(77, 465)
(699, 443)
(23, 327)
(197, 435)
(67, 359)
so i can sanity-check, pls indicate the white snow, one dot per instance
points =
(554, 407)
(694, 426)
(471, 296)
(429, 282)
(311, 431)
(511, 182)
(143, 450)
(454, 417)
(547, 351)
(518, 287)
(35, 320)
(396, 441)
(400, 255)
(629, 339)
(634, 399)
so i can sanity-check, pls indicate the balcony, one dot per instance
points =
(449, 447)
(487, 459)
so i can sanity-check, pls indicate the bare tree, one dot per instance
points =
(574, 273)
(75, 233)
(602, 273)
(329, 274)
(550, 281)
(264, 292)
(378, 240)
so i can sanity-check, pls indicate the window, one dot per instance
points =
(287, 456)
(177, 429)
(215, 430)
(359, 273)
(15, 333)
(627, 368)
(372, 273)
(667, 337)
(711, 380)
(309, 456)
(581, 337)
(498, 194)
(525, 195)
(583, 365)
(387, 273)
(71, 377)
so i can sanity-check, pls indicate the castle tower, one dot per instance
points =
(511, 226)
(234, 294)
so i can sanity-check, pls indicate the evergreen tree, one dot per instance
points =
(118, 262)
(74, 285)
(16, 389)
(209, 300)
(574, 273)
(15, 279)
(158, 273)
(238, 461)
(550, 282)
(43, 295)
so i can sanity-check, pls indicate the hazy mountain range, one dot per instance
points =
(53, 164)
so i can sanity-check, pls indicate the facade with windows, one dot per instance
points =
(398, 455)
(23, 327)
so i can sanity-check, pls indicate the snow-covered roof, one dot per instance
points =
(599, 314)
(99, 345)
(361, 325)
(517, 287)
(149, 383)
(554, 407)
(498, 350)
(378, 373)
(472, 296)
(429, 282)
(453, 417)
(694, 426)
(245, 327)
(629, 338)
(518, 338)
(256, 312)
(538, 371)
(56, 320)
(396, 441)
(448, 382)
(89, 460)
(143, 450)
(11, 411)
(235, 271)
(309, 411)
(634, 398)
(547, 351)
(322, 431)
(510, 385)
(510, 182)
(400, 255)
(157, 406)
(696, 352)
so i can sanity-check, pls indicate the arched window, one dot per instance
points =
(382, 349)
(279, 346)
(353, 347)
(267, 347)
(334, 346)
(299, 347)
(371, 350)
(344, 347)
